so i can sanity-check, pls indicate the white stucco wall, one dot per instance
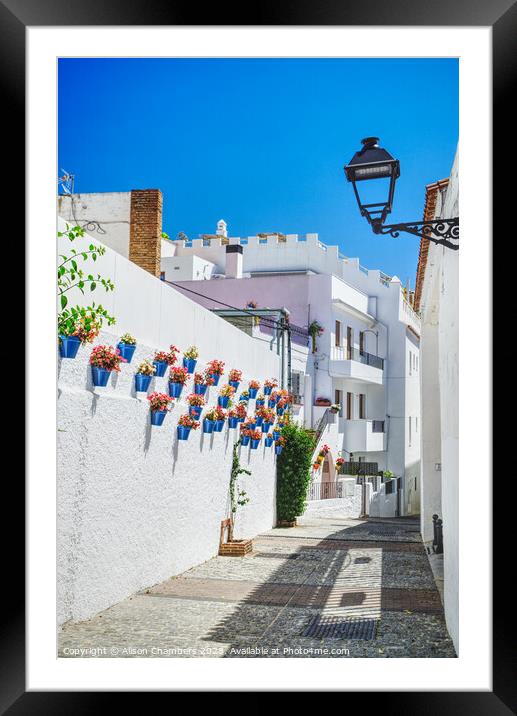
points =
(136, 506)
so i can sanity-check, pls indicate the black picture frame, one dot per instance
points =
(15, 17)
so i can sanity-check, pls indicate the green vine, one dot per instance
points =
(238, 498)
(293, 472)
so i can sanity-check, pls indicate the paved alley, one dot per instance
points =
(329, 587)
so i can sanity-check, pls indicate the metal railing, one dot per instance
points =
(324, 490)
(366, 358)
(359, 468)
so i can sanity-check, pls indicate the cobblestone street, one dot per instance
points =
(329, 587)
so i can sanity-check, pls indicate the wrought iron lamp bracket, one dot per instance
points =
(440, 231)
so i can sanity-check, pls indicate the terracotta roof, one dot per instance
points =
(431, 195)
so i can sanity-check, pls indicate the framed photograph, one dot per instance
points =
(249, 436)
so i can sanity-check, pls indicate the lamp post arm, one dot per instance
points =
(440, 231)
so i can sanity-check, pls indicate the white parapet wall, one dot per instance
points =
(135, 505)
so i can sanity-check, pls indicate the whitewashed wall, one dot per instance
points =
(136, 506)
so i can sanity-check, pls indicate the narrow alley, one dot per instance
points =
(329, 587)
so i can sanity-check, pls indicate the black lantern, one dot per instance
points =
(368, 164)
(372, 163)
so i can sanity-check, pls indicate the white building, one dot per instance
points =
(367, 359)
(436, 295)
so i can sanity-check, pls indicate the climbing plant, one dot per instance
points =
(238, 498)
(293, 472)
(71, 274)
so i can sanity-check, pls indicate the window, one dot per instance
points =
(349, 341)
(362, 406)
(361, 342)
(338, 398)
(338, 334)
(162, 275)
(349, 406)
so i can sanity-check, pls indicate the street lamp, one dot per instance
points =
(372, 163)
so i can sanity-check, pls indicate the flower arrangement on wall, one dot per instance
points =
(146, 368)
(269, 385)
(268, 417)
(186, 423)
(321, 457)
(253, 387)
(104, 360)
(144, 373)
(225, 395)
(340, 461)
(315, 330)
(215, 369)
(234, 377)
(127, 346)
(178, 376)
(190, 357)
(279, 445)
(159, 404)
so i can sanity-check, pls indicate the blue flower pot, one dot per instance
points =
(223, 401)
(253, 392)
(241, 420)
(268, 442)
(190, 365)
(195, 411)
(278, 449)
(260, 403)
(200, 388)
(234, 384)
(208, 426)
(127, 350)
(232, 422)
(215, 377)
(255, 444)
(100, 376)
(267, 390)
(175, 389)
(183, 432)
(245, 440)
(280, 411)
(252, 426)
(219, 425)
(244, 398)
(258, 420)
(161, 367)
(278, 398)
(158, 416)
(142, 382)
(68, 346)
(271, 403)
(266, 427)
(276, 434)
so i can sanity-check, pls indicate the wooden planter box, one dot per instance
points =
(237, 548)
(286, 523)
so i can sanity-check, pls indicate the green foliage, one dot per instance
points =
(387, 473)
(71, 274)
(238, 498)
(293, 472)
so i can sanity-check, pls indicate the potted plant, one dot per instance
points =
(253, 387)
(186, 423)
(144, 373)
(234, 377)
(258, 419)
(260, 401)
(220, 418)
(268, 418)
(238, 498)
(277, 431)
(201, 382)
(225, 394)
(159, 406)
(127, 346)
(242, 411)
(269, 384)
(178, 376)
(315, 330)
(233, 419)
(85, 329)
(209, 421)
(190, 357)
(335, 408)
(281, 406)
(215, 369)
(323, 402)
(272, 399)
(340, 461)
(245, 437)
(162, 359)
(196, 403)
(255, 437)
(268, 440)
(279, 445)
(104, 360)
(244, 396)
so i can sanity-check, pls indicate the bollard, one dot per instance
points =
(437, 535)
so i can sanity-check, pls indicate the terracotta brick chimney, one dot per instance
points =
(145, 230)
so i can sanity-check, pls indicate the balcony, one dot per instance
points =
(363, 435)
(356, 365)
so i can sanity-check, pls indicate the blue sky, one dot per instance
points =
(261, 143)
